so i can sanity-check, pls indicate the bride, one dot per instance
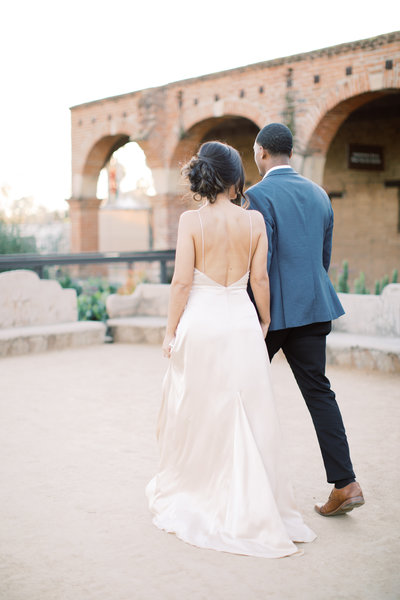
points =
(221, 482)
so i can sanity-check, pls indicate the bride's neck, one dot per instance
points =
(223, 198)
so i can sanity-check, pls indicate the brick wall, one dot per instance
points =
(367, 215)
(313, 92)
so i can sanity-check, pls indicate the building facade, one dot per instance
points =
(342, 104)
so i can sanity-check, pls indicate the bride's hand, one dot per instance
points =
(264, 328)
(168, 344)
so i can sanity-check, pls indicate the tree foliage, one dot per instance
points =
(11, 241)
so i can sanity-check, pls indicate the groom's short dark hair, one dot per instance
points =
(276, 138)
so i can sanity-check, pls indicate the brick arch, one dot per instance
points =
(198, 123)
(327, 85)
(328, 114)
(222, 108)
(96, 159)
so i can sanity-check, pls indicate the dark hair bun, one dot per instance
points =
(213, 170)
(203, 178)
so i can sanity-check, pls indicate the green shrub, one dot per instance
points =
(11, 241)
(65, 281)
(385, 282)
(92, 295)
(92, 307)
(359, 284)
(380, 285)
(342, 284)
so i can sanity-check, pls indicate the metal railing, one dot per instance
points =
(37, 262)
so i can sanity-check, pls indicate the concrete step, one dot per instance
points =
(378, 353)
(137, 330)
(41, 338)
(347, 349)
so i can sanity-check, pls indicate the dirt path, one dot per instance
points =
(77, 447)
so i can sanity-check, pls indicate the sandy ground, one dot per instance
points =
(77, 448)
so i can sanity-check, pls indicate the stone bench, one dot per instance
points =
(364, 351)
(140, 317)
(366, 337)
(37, 315)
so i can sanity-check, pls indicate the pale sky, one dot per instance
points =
(55, 54)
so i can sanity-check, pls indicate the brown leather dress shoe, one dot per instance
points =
(342, 501)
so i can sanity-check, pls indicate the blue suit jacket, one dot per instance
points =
(299, 219)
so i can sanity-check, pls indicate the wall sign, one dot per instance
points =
(366, 157)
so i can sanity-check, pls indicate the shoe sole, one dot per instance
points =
(344, 508)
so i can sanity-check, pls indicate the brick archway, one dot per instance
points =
(84, 204)
(365, 195)
(176, 199)
(97, 158)
(313, 92)
(329, 113)
(223, 108)
(197, 133)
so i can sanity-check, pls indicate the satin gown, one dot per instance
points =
(222, 481)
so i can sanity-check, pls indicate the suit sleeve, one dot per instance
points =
(327, 250)
(268, 224)
(271, 240)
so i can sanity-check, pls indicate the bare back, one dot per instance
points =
(223, 242)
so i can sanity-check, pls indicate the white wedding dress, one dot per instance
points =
(222, 480)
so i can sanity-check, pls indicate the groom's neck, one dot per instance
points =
(276, 161)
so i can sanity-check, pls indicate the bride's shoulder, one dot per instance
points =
(188, 215)
(255, 216)
(188, 218)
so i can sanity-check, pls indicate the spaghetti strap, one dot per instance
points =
(251, 240)
(202, 239)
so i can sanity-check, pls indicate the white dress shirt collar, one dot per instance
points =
(278, 167)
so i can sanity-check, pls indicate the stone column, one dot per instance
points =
(313, 167)
(84, 215)
(170, 201)
(159, 221)
(166, 209)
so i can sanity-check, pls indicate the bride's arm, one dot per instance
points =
(259, 280)
(183, 277)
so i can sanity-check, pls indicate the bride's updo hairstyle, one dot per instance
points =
(214, 169)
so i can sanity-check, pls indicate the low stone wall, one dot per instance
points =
(28, 340)
(371, 315)
(26, 300)
(140, 317)
(148, 299)
(38, 315)
(375, 353)
(366, 337)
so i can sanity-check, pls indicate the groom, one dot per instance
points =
(299, 220)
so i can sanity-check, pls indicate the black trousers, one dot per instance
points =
(305, 351)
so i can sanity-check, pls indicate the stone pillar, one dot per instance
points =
(313, 168)
(297, 162)
(166, 209)
(159, 221)
(171, 200)
(84, 215)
